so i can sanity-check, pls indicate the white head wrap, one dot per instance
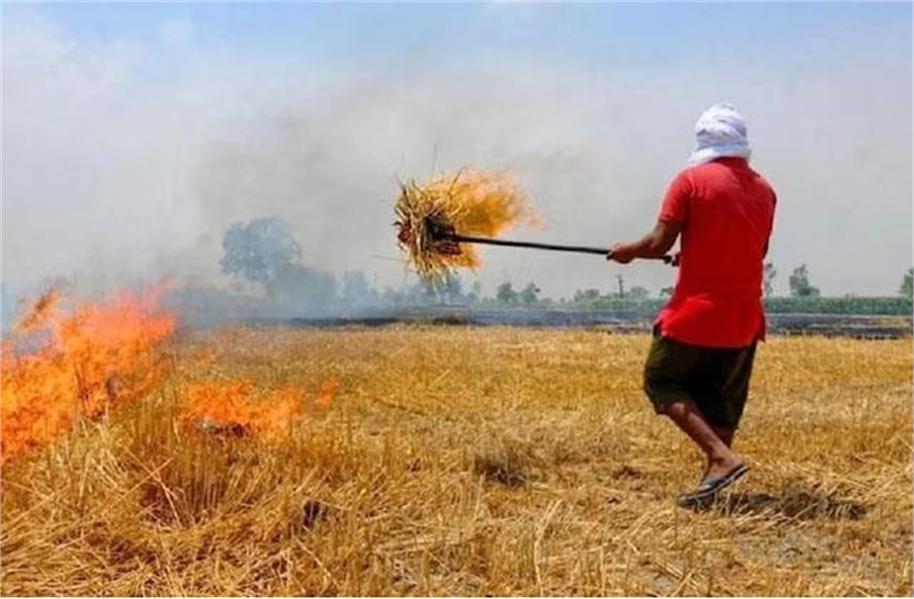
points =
(719, 132)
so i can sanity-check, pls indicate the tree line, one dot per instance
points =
(263, 255)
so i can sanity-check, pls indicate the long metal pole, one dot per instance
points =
(539, 246)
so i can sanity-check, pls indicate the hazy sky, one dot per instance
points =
(134, 134)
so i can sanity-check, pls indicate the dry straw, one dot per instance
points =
(531, 465)
(470, 202)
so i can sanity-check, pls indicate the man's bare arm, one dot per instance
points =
(653, 245)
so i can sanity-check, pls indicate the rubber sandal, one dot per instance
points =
(707, 491)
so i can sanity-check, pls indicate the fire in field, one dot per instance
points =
(448, 461)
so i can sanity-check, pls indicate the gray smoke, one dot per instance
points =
(137, 175)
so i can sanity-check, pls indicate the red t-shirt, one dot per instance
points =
(726, 211)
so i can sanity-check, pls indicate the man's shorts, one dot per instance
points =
(716, 379)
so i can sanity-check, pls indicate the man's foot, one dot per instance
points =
(705, 494)
(720, 466)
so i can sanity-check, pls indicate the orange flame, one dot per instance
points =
(238, 408)
(95, 357)
(470, 202)
(483, 202)
(328, 392)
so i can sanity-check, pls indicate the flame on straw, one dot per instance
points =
(472, 202)
(92, 358)
(238, 408)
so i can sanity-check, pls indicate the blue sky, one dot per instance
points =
(400, 35)
(134, 134)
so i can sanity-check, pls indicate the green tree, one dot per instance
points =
(259, 251)
(263, 251)
(505, 293)
(907, 284)
(638, 293)
(768, 275)
(800, 285)
(666, 292)
(529, 295)
(586, 294)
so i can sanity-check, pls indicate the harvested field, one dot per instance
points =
(473, 461)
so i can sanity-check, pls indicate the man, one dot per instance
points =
(698, 368)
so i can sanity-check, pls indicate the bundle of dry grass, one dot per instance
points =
(470, 202)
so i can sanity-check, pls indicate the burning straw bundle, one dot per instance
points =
(470, 202)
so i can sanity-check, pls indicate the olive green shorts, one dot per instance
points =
(716, 379)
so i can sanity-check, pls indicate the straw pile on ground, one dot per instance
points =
(470, 202)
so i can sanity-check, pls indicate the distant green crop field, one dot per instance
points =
(892, 306)
(840, 305)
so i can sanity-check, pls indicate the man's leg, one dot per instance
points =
(725, 435)
(669, 374)
(686, 415)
